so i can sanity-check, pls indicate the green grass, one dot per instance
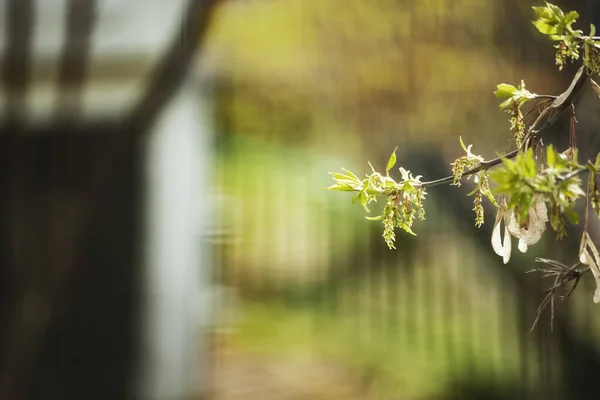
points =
(411, 362)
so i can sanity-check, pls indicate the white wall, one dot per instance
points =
(176, 253)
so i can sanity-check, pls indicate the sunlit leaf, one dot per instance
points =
(406, 228)
(544, 27)
(543, 12)
(571, 17)
(462, 144)
(392, 161)
(364, 199)
(505, 90)
(339, 176)
(351, 174)
(342, 188)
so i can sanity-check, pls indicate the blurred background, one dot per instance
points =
(166, 235)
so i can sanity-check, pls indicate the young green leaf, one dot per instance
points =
(462, 144)
(544, 27)
(364, 199)
(544, 12)
(571, 17)
(340, 177)
(391, 162)
(406, 228)
(350, 174)
(505, 90)
(342, 188)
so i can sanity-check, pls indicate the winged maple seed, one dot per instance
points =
(592, 260)
(528, 233)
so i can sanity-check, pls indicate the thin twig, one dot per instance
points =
(562, 276)
(483, 166)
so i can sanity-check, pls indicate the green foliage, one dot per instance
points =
(521, 181)
(515, 98)
(554, 23)
(404, 198)
(516, 180)
(347, 182)
(391, 162)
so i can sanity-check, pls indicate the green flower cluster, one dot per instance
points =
(464, 163)
(404, 198)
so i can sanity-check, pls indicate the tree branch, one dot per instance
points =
(484, 166)
(549, 117)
